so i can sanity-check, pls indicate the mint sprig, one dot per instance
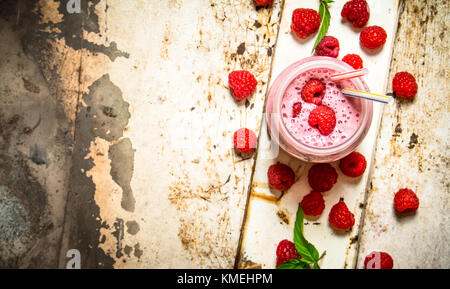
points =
(310, 255)
(325, 16)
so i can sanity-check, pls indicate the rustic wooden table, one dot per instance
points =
(116, 131)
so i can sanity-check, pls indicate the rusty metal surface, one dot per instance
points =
(42, 86)
(413, 147)
(37, 105)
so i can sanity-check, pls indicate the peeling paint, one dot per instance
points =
(94, 131)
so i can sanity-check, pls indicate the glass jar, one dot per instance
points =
(283, 137)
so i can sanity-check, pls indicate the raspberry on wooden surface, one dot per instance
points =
(340, 217)
(245, 141)
(263, 2)
(305, 22)
(281, 177)
(313, 204)
(286, 251)
(406, 201)
(242, 84)
(404, 85)
(322, 177)
(353, 165)
(328, 46)
(354, 60)
(378, 260)
(373, 37)
(356, 12)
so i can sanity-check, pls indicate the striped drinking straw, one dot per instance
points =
(359, 93)
(366, 95)
(349, 74)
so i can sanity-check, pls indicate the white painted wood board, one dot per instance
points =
(271, 215)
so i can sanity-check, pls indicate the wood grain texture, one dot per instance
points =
(161, 161)
(123, 114)
(271, 214)
(413, 147)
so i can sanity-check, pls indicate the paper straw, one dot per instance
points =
(366, 95)
(349, 74)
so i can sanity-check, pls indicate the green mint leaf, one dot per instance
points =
(293, 264)
(316, 266)
(325, 16)
(306, 261)
(305, 249)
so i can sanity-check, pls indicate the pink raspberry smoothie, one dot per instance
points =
(346, 109)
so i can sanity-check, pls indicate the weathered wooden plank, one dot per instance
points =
(271, 215)
(413, 147)
(155, 180)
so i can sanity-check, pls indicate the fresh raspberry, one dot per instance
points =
(354, 60)
(286, 251)
(281, 177)
(353, 165)
(263, 2)
(323, 118)
(313, 204)
(305, 22)
(313, 91)
(242, 83)
(328, 46)
(373, 37)
(356, 12)
(406, 201)
(378, 260)
(404, 85)
(245, 141)
(322, 177)
(296, 109)
(340, 217)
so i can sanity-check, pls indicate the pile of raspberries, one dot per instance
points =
(306, 22)
(321, 178)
